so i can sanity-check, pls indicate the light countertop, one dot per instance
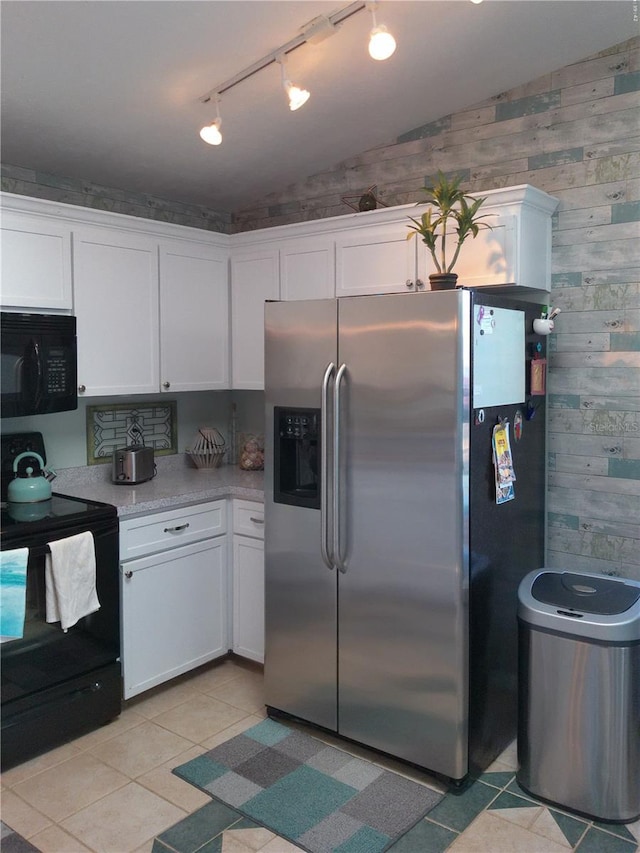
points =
(176, 484)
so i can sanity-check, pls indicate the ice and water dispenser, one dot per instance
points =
(297, 457)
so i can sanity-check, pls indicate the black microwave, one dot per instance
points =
(38, 367)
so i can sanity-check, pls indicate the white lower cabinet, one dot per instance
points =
(248, 579)
(173, 599)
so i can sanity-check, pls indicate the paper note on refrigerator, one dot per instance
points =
(503, 463)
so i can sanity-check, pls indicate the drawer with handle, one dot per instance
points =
(248, 518)
(158, 531)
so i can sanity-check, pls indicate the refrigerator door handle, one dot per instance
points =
(325, 539)
(337, 556)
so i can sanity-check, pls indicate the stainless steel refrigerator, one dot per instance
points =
(393, 552)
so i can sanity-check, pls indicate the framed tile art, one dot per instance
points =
(115, 425)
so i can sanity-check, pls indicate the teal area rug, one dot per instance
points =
(319, 797)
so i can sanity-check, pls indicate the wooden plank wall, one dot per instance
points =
(29, 182)
(574, 133)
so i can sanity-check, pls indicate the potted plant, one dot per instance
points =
(449, 205)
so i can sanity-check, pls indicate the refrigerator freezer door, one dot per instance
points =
(300, 591)
(403, 483)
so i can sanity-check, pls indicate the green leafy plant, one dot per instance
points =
(448, 204)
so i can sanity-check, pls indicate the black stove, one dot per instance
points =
(56, 685)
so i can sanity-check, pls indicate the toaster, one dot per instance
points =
(133, 464)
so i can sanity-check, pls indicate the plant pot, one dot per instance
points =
(443, 280)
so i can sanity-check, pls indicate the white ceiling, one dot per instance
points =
(108, 90)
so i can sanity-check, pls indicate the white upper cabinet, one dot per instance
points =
(36, 263)
(194, 317)
(116, 306)
(376, 259)
(158, 308)
(307, 268)
(254, 279)
(517, 248)
(486, 259)
(152, 300)
(373, 254)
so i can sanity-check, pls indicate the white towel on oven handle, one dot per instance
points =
(70, 579)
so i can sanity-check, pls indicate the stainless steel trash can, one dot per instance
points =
(579, 693)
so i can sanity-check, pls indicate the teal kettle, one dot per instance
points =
(31, 486)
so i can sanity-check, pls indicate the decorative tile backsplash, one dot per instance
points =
(112, 426)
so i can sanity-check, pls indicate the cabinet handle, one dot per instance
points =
(419, 284)
(82, 388)
(256, 520)
(166, 385)
(409, 283)
(176, 529)
(128, 575)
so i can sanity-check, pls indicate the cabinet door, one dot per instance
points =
(194, 318)
(36, 262)
(308, 268)
(116, 305)
(248, 597)
(375, 259)
(174, 609)
(254, 279)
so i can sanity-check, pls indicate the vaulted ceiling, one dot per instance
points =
(109, 90)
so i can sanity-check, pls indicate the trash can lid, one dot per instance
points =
(585, 593)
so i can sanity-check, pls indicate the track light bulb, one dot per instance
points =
(381, 43)
(297, 96)
(211, 133)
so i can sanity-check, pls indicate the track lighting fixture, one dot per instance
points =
(381, 43)
(210, 133)
(297, 96)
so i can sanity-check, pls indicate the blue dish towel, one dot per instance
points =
(13, 592)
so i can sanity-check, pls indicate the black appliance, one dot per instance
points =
(296, 457)
(57, 685)
(39, 371)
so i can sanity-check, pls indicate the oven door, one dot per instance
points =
(56, 685)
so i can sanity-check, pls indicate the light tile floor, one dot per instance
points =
(112, 791)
